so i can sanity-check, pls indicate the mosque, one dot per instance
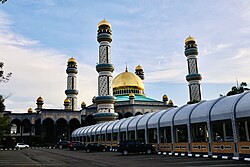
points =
(121, 110)
(209, 127)
(121, 97)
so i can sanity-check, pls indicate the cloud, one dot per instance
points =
(149, 33)
(38, 72)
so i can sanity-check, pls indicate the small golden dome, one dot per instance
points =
(139, 67)
(83, 104)
(67, 100)
(165, 98)
(189, 39)
(104, 22)
(127, 79)
(30, 110)
(72, 60)
(170, 103)
(131, 95)
(39, 99)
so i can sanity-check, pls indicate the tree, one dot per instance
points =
(3, 1)
(4, 78)
(2, 106)
(5, 124)
(238, 89)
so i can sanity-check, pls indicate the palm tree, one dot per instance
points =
(238, 89)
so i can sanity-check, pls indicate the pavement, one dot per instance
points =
(66, 158)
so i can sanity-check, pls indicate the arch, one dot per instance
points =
(48, 129)
(90, 120)
(128, 114)
(26, 126)
(120, 116)
(138, 113)
(73, 125)
(13, 129)
(17, 122)
(61, 128)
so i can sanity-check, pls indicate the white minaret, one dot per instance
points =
(105, 99)
(72, 91)
(193, 77)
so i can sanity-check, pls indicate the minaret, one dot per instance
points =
(139, 71)
(39, 103)
(193, 77)
(105, 99)
(71, 91)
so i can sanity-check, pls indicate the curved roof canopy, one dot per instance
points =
(219, 109)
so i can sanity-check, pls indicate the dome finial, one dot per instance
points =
(104, 22)
(126, 70)
(72, 60)
(189, 39)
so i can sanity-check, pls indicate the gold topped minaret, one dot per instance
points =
(193, 77)
(72, 91)
(105, 99)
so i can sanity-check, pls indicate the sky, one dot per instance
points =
(38, 37)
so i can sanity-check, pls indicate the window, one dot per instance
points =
(181, 134)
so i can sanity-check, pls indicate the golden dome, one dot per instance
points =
(170, 103)
(127, 79)
(67, 100)
(72, 60)
(139, 67)
(83, 104)
(165, 98)
(39, 99)
(131, 95)
(189, 39)
(30, 110)
(104, 22)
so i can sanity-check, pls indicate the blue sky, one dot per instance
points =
(38, 37)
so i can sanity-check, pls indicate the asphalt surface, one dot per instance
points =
(66, 158)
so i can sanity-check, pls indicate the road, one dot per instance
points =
(66, 158)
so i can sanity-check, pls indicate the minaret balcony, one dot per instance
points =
(191, 51)
(71, 70)
(104, 37)
(104, 117)
(192, 77)
(72, 91)
(105, 67)
(105, 100)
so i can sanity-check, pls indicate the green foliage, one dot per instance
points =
(2, 106)
(3, 1)
(5, 124)
(4, 78)
(238, 89)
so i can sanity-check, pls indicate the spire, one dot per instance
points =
(105, 99)
(193, 77)
(72, 91)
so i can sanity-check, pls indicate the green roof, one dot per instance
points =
(137, 98)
